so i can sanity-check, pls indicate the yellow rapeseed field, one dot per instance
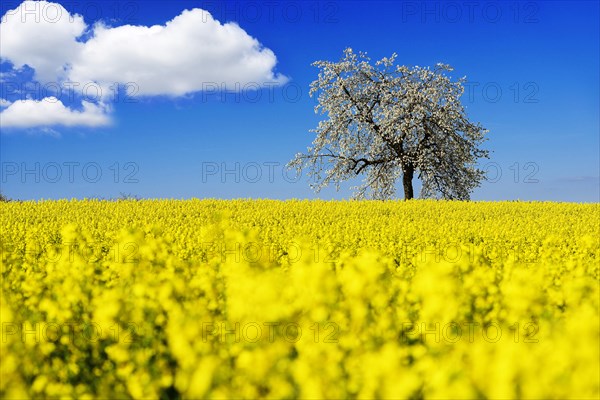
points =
(299, 299)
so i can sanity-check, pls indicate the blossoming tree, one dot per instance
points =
(385, 121)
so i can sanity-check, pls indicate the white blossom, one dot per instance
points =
(387, 121)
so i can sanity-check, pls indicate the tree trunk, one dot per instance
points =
(407, 177)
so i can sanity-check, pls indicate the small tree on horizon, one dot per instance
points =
(387, 121)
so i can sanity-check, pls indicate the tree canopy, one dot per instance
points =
(385, 121)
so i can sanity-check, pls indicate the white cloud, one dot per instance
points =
(41, 35)
(190, 53)
(4, 103)
(50, 111)
(183, 56)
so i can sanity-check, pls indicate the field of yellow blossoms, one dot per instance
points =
(299, 299)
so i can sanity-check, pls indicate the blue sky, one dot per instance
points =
(532, 71)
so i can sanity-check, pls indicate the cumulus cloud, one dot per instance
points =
(190, 53)
(50, 111)
(4, 103)
(180, 57)
(43, 36)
